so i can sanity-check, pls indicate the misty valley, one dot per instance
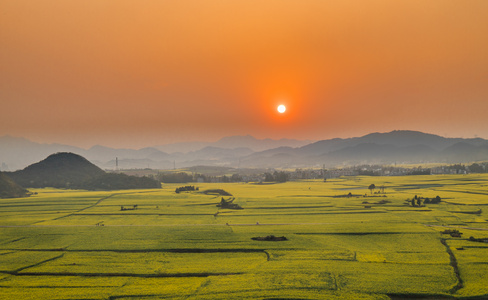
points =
(70, 230)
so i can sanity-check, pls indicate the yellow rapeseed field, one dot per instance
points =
(343, 241)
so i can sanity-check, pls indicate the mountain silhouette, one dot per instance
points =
(59, 170)
(10, 189)
(399, 146)
(69, 170)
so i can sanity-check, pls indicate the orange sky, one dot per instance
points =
(139, 73)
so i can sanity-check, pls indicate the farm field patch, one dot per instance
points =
(343, 241)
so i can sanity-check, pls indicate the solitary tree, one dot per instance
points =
(372, 187)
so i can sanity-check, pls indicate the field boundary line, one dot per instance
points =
(161, 275)
(16, 272)
(453, 226)
(166, 250)
(454, 265)
(93, 205)
(168, 225)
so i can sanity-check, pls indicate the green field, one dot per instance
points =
(64, 244)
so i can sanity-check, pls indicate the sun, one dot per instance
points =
(281, 108)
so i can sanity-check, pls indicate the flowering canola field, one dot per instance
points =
(343, 241)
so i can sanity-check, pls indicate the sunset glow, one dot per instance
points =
(243, 149)
(134, 74)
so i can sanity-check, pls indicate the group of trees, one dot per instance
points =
(372, 187)
(417, 201)
(420, 171)
(435, 200)
(478, 168)
(228, 204)
(188, 188)
(473, 168)
(182, 177)
(177, 177)
(119, 181)
(276, 177)
(232, 178)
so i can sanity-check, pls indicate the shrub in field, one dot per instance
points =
(188, 188)
(452, 232)
(485, 240)
(228, 204)
(217, 192)
(435, 200)
(270, 238)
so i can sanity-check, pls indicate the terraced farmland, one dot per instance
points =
(343, 242)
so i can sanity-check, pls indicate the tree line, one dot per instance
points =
(276, 177)
(182, 177)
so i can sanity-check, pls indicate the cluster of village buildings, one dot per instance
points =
(377, 170)
(270, 175)
(371, 170)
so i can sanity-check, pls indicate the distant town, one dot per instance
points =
(223, 174)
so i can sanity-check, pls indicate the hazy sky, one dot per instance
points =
(147, 72)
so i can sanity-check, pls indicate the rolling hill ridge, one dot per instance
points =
(400, 146)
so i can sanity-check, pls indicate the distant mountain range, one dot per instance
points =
(233, 142)
(399, 146)
(17, 153)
